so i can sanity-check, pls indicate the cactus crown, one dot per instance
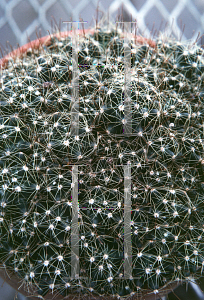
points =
(129, 153)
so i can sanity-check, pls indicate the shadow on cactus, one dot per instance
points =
(101, 158)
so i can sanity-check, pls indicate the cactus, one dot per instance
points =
(46, 153)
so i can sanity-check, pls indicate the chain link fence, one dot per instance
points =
(20, 20)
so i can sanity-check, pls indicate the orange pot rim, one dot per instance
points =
(45, 40)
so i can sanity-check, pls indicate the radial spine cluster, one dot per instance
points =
(165, 152)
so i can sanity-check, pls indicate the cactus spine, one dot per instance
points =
(47, 150)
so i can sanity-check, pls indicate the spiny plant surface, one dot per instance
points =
(165, 150)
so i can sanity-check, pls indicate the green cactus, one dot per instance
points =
(159, 163)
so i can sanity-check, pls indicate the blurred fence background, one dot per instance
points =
(21, 19)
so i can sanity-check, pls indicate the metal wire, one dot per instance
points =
(190, 12)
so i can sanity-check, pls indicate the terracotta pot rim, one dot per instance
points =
(45, 40)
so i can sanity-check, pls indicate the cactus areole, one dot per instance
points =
(101, 165)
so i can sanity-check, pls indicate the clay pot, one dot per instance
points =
(46, 40)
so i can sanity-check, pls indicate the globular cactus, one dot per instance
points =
(102, 170)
